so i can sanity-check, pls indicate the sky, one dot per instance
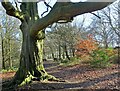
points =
(77, 19)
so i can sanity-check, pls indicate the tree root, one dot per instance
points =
(12, 85)
(52, 78)
(45, 78)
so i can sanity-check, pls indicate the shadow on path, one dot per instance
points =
(65, 86)
(110, 80)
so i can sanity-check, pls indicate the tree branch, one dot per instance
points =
(96, 15)
(48, 6)
(50, 18)
(81, 8)
(65, 11)
(10, 10)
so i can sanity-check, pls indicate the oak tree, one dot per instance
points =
(32, 28)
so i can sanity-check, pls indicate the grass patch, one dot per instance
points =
(8, 70)
(72, 61)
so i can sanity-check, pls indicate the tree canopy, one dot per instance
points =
(60, 11)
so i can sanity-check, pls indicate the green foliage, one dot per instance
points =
(3, 71)
(72, 61)
(100, 58)
(9, 70)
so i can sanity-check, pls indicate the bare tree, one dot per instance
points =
(10, 44)
(102, 32)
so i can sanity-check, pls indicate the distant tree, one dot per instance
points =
(50, 46)
(63, 40)
(102, 32)
(113, 19)
(106, 27)
(10, 44)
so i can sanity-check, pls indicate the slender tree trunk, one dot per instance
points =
(53, 55)
(63, 54)
(3, 57)
(73, 52)
(59, 52)
(9, 51)
(66, 52)
(105, 43)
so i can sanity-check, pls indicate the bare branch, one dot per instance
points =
(48, 6)
(16, 5)
(66, 11)
(96, 15)
(10, 10)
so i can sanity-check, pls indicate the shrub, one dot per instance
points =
(101, 57)
(85, 46)
(113, 55)
(111, 52)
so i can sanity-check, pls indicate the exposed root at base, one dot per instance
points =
(52, 78)
(45, 78)
(11, 86)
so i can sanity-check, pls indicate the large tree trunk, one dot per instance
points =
(31, 60)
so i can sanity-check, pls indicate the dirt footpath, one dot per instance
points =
(77, 77)
(85, 77)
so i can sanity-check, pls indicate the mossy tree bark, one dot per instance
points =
(31, 58)
(31, 64)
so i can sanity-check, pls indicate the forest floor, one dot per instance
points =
(80, 76)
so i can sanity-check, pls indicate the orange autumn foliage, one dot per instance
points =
(85, 46)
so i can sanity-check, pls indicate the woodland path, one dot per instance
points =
(77, 77)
